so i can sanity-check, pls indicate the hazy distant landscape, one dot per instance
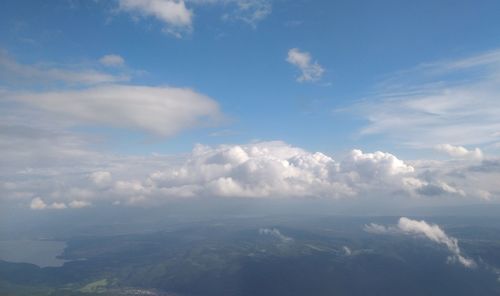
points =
(265, 255)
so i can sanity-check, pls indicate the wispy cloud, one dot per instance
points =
(310, 70)
(276, 234)
(455, 102)
(12, 70)
(250, 12)
(112, 60)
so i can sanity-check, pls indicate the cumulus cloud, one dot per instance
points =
(454, 101)
(38, 204)
(57, 206)
(257, 170)
(276, 234)
(310, 70)
(78, 204)
(101, 178)
(265, 170)
(268, 170)
(160, 110)
(430, 231)
(372, 165)
(460, 152)
(11, 70)
(174, 14)
(112, 60)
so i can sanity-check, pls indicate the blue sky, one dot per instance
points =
(395, 76)
(243, 66)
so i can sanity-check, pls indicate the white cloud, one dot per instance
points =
(112, 60)
(78, 204)
(176, 17)
(436, 234)
(57, 206)
(381, 163)
(347, 250)
(276, 234)
(438, 188)
(430, 231)
(248, 11)
(35, 73)
(265, 170)
(310, 71)
(269, 170)
(376, 228)
(429, 105)
(101, 178)
(460, 152)
(38, 204)
(160, 110)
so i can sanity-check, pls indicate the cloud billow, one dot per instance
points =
(432, 232)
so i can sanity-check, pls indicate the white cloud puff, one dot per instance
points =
(78, 204)
(173, 13)
(460, 152)
(112, 60)
(57, 206)
(310, 71)
(101, 178)
(37, 204)
(430, 231)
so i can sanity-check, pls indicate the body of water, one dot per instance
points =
(40, 252)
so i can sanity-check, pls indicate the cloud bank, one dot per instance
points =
(261, 170)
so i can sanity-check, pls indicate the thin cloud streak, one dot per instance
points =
(455, 102)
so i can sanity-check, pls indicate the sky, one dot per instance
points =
(140, 102)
